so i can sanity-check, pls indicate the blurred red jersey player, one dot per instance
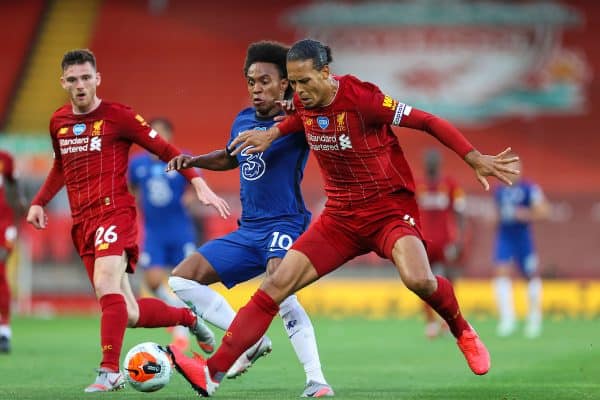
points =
(91, 139)
(370, 203)
(11, 204)
(441, 205)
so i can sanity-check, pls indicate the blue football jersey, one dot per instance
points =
(508, 199)
(161, 194)
(270, 181)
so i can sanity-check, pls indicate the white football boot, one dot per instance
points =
(106, 381)
(249, 357)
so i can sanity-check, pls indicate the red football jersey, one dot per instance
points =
(438, 201)
(359, 154)
(7, 171)
(91, 157)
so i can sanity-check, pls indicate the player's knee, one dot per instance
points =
(177, 284)
(276, 288)
(423, 286)
(103, 287)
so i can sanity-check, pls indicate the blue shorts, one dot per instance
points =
(166, 250)
(517, 249)
(243, 254)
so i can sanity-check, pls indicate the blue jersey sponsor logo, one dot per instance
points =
(254, 166)
(78, 129)
(323, 122)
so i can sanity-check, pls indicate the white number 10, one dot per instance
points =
(282, 241)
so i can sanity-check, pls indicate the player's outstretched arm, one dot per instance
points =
(218, 160)
(209, 198)
(487, 165)
(254, 141)
(37, 217)
(484, 165)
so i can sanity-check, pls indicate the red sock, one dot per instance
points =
(112, 329)
(155, 313)
(4, 296)
(249, 325)
(444, 302)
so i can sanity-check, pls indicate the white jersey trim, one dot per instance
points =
(401, 110)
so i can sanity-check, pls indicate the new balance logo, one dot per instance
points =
(96, 144)
(345, 142)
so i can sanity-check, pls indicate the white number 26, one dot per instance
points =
(106, 236)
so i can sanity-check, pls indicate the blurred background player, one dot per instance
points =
(168, 228)
(91, 139)
(12, 205)
(273, 216)
(518, 206)
(441, 204)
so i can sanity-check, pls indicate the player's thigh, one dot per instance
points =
(197, 268)
(278, 240)
(108, 273)
(410, 258)
(113, 234)
(293, 273)
(235, 257)
(272, 265)
(328, 244)
(392, 218)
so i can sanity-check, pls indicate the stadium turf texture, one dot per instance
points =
(362, 359)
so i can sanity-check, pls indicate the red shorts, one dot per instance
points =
(340, 235)
(108, 234)
(8, 236)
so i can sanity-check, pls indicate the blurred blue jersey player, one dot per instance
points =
(273, 217)
(169, 230)
(517, 207)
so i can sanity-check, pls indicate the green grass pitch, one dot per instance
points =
(362, 359)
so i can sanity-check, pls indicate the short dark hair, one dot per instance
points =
(163, 120)
(269, 52)
(78, 56)
(309, 49)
